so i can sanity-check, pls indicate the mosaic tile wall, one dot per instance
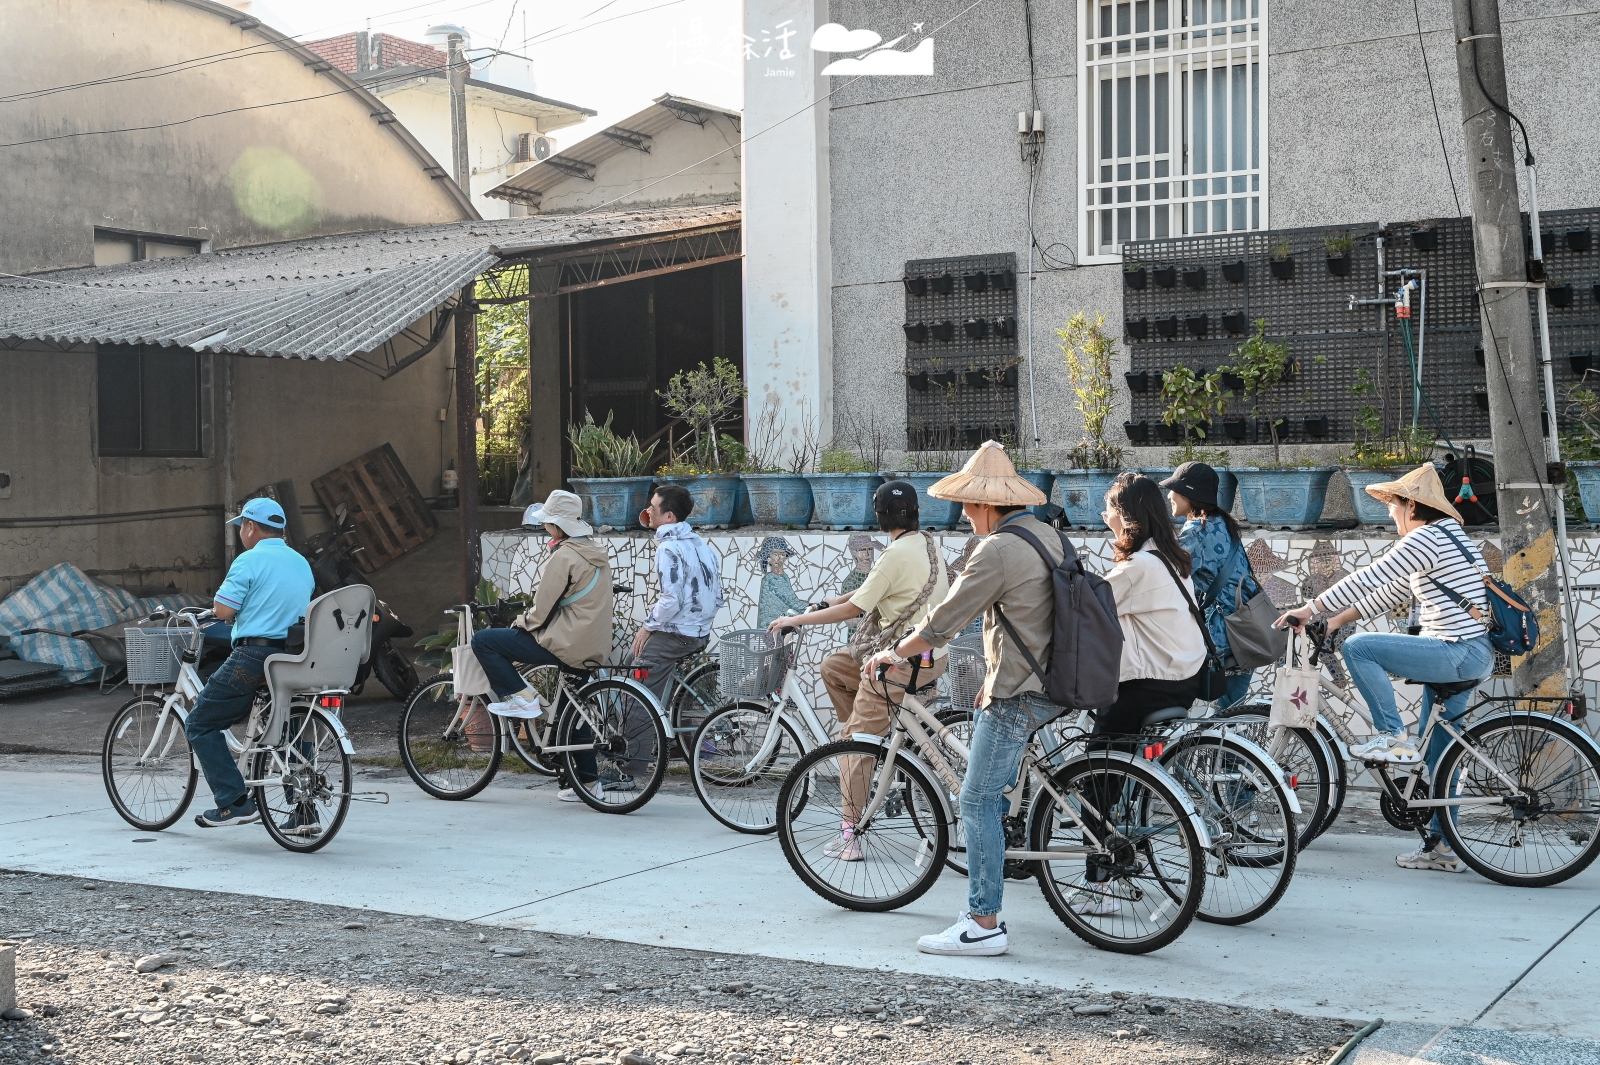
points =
(766, 575)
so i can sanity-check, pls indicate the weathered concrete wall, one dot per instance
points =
(267, 170)
(293, 420)
(626, 174)
(924, 167)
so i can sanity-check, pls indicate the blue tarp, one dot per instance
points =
(67, 599)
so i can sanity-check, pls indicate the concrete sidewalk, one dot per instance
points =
(1354, 937)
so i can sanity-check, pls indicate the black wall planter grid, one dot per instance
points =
(1234, 273)
(1138, 382)
(1195, 279)
(916, 332)
(1135, 278)
(1582, 362)
(1238, 322)
(1578, 240)
(1165, 277)
(971, 312)
(915, 286)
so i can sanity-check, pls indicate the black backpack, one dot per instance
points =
(1085, 650)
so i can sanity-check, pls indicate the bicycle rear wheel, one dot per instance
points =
(696, 698)
(1253, 840)
(629, 744)
(1305, 760)
(305, 793)
(1140, 886)
(145, 762)
(1545, 832)
(898, 855)
(1338, 775)
(449, 744)
(959, 721)
(736, 782)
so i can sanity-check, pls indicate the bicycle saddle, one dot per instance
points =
(1445, 689)
(1161, 717)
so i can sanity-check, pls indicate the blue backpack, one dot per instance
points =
(1513, 627)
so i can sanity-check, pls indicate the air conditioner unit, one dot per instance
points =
(534, 146)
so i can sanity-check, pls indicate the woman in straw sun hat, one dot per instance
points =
(1432, 559)
(1008, 572)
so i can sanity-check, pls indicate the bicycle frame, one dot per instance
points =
(812, 732)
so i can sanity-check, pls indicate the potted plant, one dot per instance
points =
(1339, 246)
(1376, 456)
(1282, 261)
(1279, 494)
(707, 399)
(847, 474)
(609, 472)
(773, 477)
(1559, 292)
(1580, 448)
(1193, 403)
(1090, 354)
(1133, 274)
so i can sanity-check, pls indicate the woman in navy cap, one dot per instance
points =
(1218, 561)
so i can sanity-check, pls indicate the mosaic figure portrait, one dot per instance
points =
(777, 594)
(863, 552)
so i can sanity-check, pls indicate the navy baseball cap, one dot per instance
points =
(262, 511)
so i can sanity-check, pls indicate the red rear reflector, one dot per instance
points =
(1154, 750)
(641, 674)
(377, 617)
(330, 702)
(1294, 780)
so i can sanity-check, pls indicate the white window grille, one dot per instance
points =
(1173, 119)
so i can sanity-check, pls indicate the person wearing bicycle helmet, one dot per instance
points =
(1004, 572)
(568, 625)
(1216, 551)
(901, 589)
(1438, 568)
(267, 589)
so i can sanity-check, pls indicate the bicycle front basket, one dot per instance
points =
(751, 664)
(965, 669)
(154, 654)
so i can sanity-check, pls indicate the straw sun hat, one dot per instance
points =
(1421, 484)
(988, 477)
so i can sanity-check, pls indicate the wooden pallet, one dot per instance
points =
(390, 515)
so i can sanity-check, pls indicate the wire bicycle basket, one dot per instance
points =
(155, 654)
(965, 669)
(752, 663)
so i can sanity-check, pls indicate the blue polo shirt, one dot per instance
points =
(270, 586)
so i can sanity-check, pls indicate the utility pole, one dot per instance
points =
(466, 337)
(1527, 536)
(457, 67)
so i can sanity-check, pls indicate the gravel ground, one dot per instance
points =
(242, 978)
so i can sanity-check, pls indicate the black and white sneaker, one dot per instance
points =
(243, 812)
(966, 936)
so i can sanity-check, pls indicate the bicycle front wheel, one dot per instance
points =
(1253, 841)
(449, 744)
(739, 757)
(883, 865)
(304, 792)
(1140, 880)
(145, 761)
(959, 721)
(1305, 760)
(1543, 831)
(625, 746)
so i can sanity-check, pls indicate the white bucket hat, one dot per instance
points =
(561, 509)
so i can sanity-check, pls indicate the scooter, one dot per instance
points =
(332, 558)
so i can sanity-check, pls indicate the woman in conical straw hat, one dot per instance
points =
(1438, 568)
(1004, 571)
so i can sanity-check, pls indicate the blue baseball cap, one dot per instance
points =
(262, 511)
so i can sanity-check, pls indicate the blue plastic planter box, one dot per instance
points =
(742, 512)
(936, 513)
(613, 501)
(714, 495)
(843, 500)
(1370, 511)
(780, 499)
(1082, 494)
(1588, 476)
(1040, 479)
(1284, 498)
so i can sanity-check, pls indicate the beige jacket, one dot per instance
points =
(579, 633)
(1003, 569)
(1160, 638)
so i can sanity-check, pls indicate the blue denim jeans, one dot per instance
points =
(999, 736)
(496, 650)
(1238, 688)
(225, 700)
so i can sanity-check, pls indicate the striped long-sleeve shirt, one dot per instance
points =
(1403, 574)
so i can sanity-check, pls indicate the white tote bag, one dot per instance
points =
(1297, 690)
(470, 679)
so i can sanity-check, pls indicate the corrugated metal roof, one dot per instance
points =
(325, 298)
(546, 174)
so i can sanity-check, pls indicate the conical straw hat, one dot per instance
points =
(988, 477)
(1421, 484)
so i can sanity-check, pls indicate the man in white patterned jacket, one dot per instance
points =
(689, 574)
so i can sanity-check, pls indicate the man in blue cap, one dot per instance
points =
(267, 589)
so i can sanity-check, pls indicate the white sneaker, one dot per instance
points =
(967, 937)
(571, 794)
(846, 848)
(1439, 859)
(1092, 904)
(1377, 748)
(519, 706)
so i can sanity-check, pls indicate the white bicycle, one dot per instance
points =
(293, 752)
